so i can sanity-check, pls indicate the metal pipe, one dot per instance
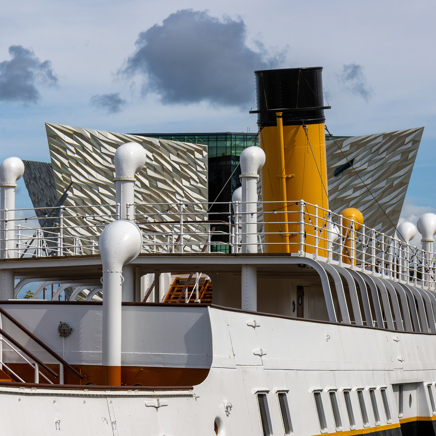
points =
(119, 244)
(252, 160)
(249, 287)
(427, 227)
(11, 170)
(129, 159)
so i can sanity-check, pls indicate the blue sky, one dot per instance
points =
(116, 65)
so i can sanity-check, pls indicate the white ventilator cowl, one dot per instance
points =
(427, 226)
(11, 169)
(129, 159)
(406, 231)
(333, 232)
(237, 195)
(119, 243)
(252, 160)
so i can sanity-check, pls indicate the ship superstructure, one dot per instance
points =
(317, 324)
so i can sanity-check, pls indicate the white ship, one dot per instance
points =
(317, 324)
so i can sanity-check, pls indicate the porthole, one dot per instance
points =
(216, 425)
(264, 414)
(410, 400)
(386, 404)
(430, 395)
(320, 410)
(284, 408)
(335, 409)
(374, 406)
(350, 412)
(363, 408)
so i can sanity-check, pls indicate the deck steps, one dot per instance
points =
(185, 285)
(4, 377)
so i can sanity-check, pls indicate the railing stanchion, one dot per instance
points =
(363, 234)
(61, 232)
(329, 236)
(373, 251)
(6, 234)
(18, 244)
(302, 228)
(352, 244)
(181, 228)
(61, 374)
(316, 230)
(341, 240)
(36, 372)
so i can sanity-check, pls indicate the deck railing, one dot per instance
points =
(297, 228)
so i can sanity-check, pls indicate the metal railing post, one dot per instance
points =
(181, 228)
(329, 237)
(373, 250)
(341, 240)
(352, 245)
(18, 244)
(36, 373)
(61, 374)
(6, 235)
(302, 228)
(362, 267)
(316, 230)
(61, 232)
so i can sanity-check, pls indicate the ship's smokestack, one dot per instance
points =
(291, 130)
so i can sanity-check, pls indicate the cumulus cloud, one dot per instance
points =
(194, 57)
(354, 79)
(20, 76)
(110, 103)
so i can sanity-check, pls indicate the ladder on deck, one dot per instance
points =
(183, 290)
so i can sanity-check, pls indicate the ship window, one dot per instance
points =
(400, 401)
(335, 408)
(374, 406)
(386, 404)
(264, 414)
(284, 408)
(350, 412)
(363, 408)
(320, 410)
(430, 394)
(344, 167)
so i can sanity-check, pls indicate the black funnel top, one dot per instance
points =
(297, 92)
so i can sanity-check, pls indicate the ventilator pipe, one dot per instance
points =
(352, 221)
(129, 159)
(332, 235)
(11, 169)
(251, 161)
(427, 227)
(406, 231)
(119, 244)
(236, 200)
(249, 288)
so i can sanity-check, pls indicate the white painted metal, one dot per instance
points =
(427, 227)
(251, 161)
(129, 159)
(6, 284)
(119, 244)
(406, 231)
(249, 287)
(236, 202)
(11, 170)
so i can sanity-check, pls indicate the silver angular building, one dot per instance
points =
(369, 172)
(372, 174)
